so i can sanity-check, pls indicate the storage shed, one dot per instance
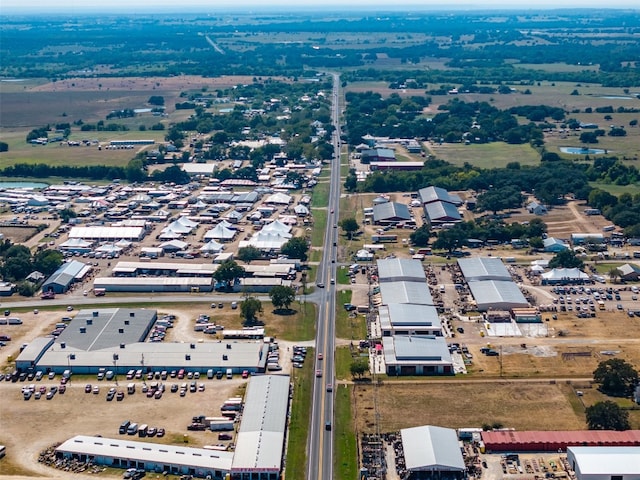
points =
(552, 441)
(64, 276)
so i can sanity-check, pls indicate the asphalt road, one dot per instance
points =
(320, 442)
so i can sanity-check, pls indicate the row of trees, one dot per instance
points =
(17, 262)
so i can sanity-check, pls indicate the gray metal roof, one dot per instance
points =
(147, 452)
(431, 448)
(605, 461)
(406, 314)
(441, 212)
(437, 194)
(495, 294)
(391, 211)
(107, 327)
(405, 292)
(396, 269)
(260, 440)
(166, 355)
(65, 274)
(413, 349)
(484, 268)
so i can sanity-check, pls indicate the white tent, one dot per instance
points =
(364, 255)
(212, 247)
(277, 227)
(109, 248)
(220, 232)
(279, 198)
(560, 274)
(267, 241)
(301, 210)
(187, 223)
(123, 243)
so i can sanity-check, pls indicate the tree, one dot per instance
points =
(157, 100)
(47, 261)
(248, 254)
(616, 377)
(607, 415)
(282, 297)
(67, 214)
(249, 309)
(498, 199)
(588, 137)
(358, 368)
(350, 226)
(615, 274)
(4, 147)
(420, 237)
(450, 239)
(566, 259)
(296, 247)
(227, 273)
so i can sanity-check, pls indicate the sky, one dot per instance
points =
(144, 6)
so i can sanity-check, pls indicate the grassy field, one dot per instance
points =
(345, 468)
(319, 225)
(450, 405)
(487, 155)
(343, 360)
(348, 328)
(616, 190)
(302, 379)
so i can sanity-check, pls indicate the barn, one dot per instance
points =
(62, 279)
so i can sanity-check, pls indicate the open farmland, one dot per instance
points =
(487, 155)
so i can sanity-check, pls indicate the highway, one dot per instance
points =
(320, 442)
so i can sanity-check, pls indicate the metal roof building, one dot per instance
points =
(400, 269)
(260, 439)
(409, 319)
(437, 194)
(483, 268)
(441, 212)
(605, 463)
(64, 276)
(107, 233)
(391, 212)
(552, 441)
(417, 355)
(154, 284)
(172, 269)
(432, 449)
(119, 453)
(405, 292)
(497, 295)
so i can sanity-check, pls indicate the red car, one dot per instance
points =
(245, 374)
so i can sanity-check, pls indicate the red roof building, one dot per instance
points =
(553, 441)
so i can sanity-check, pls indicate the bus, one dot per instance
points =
(384, 238)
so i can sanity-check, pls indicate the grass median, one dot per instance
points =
(302, 379)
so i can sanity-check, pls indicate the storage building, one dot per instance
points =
(483, 268)
(605, 463)
(496, 294)
(409, 319)
(400, 269)
(391, 213)
(417, 355)
(553, 441)
(432, 452)
(62, 279)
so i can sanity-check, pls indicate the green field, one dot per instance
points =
(487, 155)
(345, 468)
(302, 380)
(616, 189)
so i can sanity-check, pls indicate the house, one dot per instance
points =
(629, 272)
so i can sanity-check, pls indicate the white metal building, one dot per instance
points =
(400, 269)
(155, 457)
(430, 450)
(497, 295)
(605, 463)
(108, 233)
(409, 319)
(483, 268)
(260, 440)
(417, 355)
(405, 292)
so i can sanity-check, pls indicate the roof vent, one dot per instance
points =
(122, 345)
(63, 345)
(228, 346)
(225, 357)
(193, 345)
(89, 321)
(187, 357)
(96, 313)
(121, 330)
(126, 322)
(72, 356)
(83, 329)
(132, 314)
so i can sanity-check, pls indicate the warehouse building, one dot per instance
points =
(432, 452)
(400, 269)
(390, 213)
(437, 194)
(161, 269)
(437, 213)
(154, 284)
(62, 279)
(114, 338)
(260, 440)
(497, 295)
(134, 234)
(154, 457)
(416, 355)
(404, 292)
(409, 319)
(483, 268)
(605, 463)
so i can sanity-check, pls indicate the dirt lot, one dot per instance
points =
(76, 412)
